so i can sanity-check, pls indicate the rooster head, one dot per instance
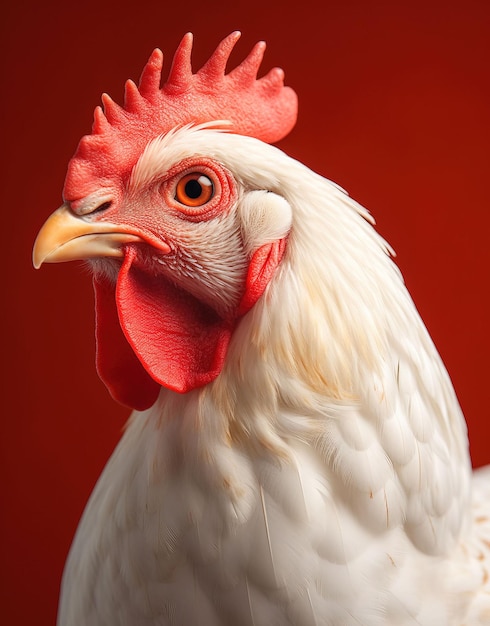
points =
(180, 248)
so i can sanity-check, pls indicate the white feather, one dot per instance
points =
(324, 477)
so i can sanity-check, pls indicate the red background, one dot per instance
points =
(394, 106)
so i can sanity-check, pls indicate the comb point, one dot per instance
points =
(273, 80)
(215, 66)
(100, 125)
(113, 112)
(181, 70)
(132, 97)
(151, 75)
(248, 69)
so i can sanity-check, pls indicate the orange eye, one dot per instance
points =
(194, 190)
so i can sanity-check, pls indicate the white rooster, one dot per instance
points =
(297, 455)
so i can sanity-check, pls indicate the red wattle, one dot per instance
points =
(117, 364)
(261, 269)
(180, 341)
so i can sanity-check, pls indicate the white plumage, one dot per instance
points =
(323, 478)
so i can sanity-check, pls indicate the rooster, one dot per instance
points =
(296, 454)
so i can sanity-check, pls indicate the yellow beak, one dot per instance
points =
(68, 237)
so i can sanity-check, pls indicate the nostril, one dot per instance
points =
(97, 203)
(102, 207)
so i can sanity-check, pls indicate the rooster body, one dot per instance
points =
(323, 476)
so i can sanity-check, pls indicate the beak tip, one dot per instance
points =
(37, 257)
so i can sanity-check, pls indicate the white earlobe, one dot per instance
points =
(265, 217)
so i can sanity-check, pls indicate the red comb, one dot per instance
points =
(261, 108)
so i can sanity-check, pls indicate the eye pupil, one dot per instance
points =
(193, 189)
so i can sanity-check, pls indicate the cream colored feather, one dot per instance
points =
(323, 478)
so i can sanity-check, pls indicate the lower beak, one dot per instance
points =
(67, 237)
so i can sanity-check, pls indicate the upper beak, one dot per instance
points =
(67, 237)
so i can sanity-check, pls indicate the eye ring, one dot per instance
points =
(213, 194)
(194, 190)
